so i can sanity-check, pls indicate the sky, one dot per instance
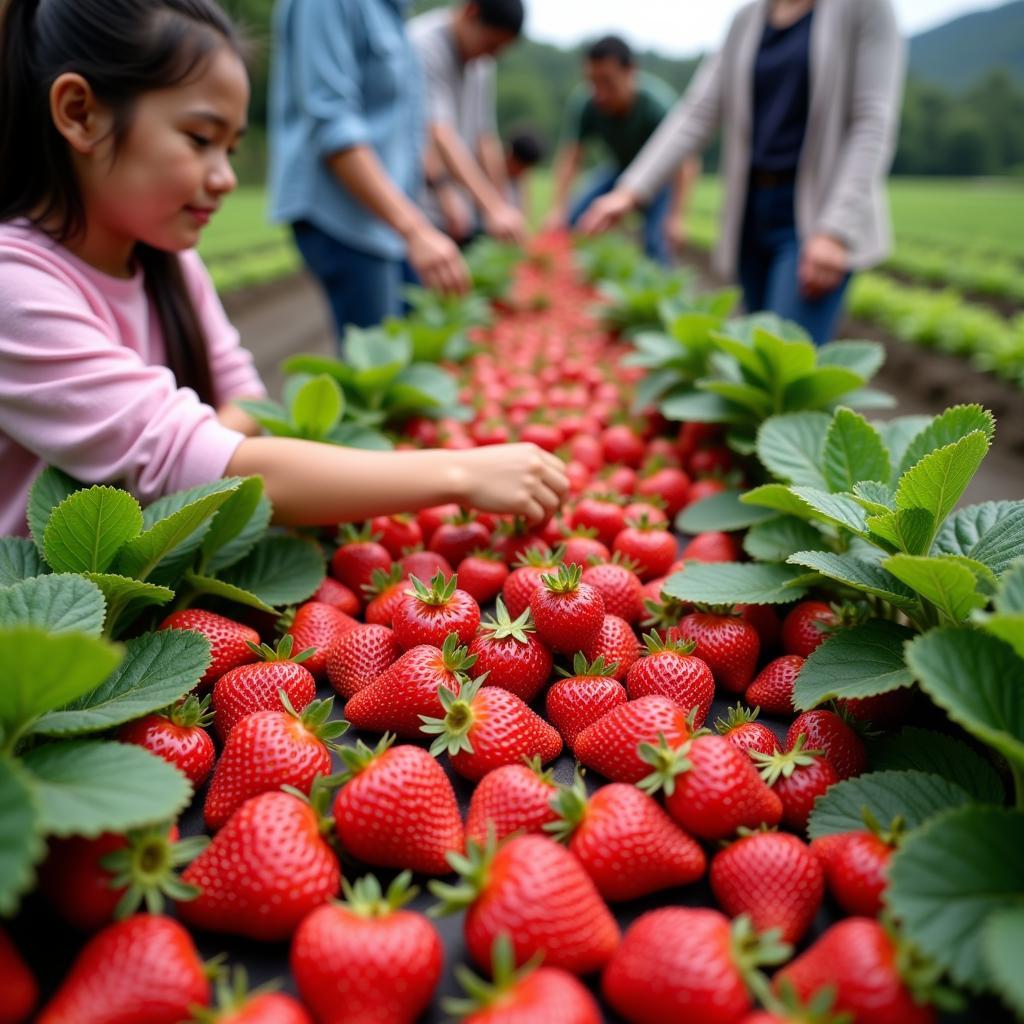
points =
(697, 26)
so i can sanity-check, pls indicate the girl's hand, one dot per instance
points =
(604, 213)
(823, 264)
(513, 479)
(437, 260)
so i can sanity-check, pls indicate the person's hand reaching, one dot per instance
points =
(512, 479)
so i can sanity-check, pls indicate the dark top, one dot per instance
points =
(781, 96)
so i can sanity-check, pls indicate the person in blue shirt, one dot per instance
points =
(346, 139)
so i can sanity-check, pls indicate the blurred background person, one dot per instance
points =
(346, 129)
(524, 152)
(465, 169)
(620, 107)
(808, 94)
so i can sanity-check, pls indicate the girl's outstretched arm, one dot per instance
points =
(312, 484)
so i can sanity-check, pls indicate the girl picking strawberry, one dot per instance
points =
(118, 119)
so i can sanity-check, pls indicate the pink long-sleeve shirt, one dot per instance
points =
(83, 385)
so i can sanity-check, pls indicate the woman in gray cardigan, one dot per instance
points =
(807, 93)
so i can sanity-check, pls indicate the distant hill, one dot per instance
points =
(960, 52)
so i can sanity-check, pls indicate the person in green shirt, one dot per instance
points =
(620, 107)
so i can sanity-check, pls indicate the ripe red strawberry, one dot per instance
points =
(316, 627)
(367, 960)
(693, 436)
(265, 870)
(884, 710)
(544, 435)
(857, 866)
(90, 881)
(742, 730)
(513, 798)
(705, 488)
(620, 587)
(609, 746)
(627, 844)
(766, 621)
(603, 514)
(250, 688)
(618, 481)
(229, 640)
(484, 728)
(772, 687)
(774, 878)
(514, 538)
(482, 575)
(397, 808)
(583, 697)
(510, 655)
(337, 595)
(670, 669)
(397, 533)
(460, 537)
(397, 698)
(532, 995)
(859, 961)
(425, 565)
(798, 776)
(650, 546)
(359, 657)
(622, 446)
(268, 750)
(177, 735)
(143, 970)
(686, 964)
(616, 644)
(537, 892)
(581, 545)
(18, 983)
(429, 519)
(382, 595)
(237, 1005)
(711, 788)
(713, 461)
(713, 546)
(526, 577)
(428, 614)
(802, 628)
(670, 484)
(567, 612)
(825, 730)
(650, 508)
(359, 554)
(729, 645)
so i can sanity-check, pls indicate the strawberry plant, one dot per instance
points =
(642, 301)
(492, 266)
(438, 325)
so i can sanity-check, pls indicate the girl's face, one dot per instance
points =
(166, 180)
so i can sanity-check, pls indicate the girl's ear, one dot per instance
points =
(77, 114)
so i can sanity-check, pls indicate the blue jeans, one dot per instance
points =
(601, 183)
(362, 289)
(770, 259)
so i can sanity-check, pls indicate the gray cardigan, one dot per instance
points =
(856, 70)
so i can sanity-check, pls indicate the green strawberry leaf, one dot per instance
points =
(87, 530)
(976, 678)
(897, 434)
(779, 498)
(316, 406)
(279, 571)
(991, 533)
(158, 669)
(875, 497)
(270, 415)
(125, 598)
(1002, 941)
(913, 796)
(944, 582)
(907, 529)
(790, 447)
(940, 754)
(861, 661)
(853, 452)
(48, 490)
(950, 878)
(840, 509)
(87, 787)
(44, 670)
(863, 357)
(236, 529)
(701, 407)
(422, 387)
(779, 537)
(821, 388)
(722, 511)
(19, 560)
(21, 846)
(356, 435)
(857, 572)
(1007, 620)
(952, 426)
(58, 603)
(213, 587)
(729, 583)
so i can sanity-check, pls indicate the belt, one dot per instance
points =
(772, 179)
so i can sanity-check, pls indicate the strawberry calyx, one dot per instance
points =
(473, 869)
(565, 581)
(581, 667)
(438, 594)
(735, 718)
(146, 869)
(452, 731)
(350, 533)
(666, 762)
(751, 950)
(282, 652)
(314, 719)
(583, 532)
(538, 558)
(380, 580)
(545, 775)
(366, 899)
(455, 657)
(486, 555)
(501, 626)
(666, 613)
(481, 994)
(190, 712)
(643, 522)
(570, 804)
(817, 1010)
(729, 611)
(920, 973)
(783, 763)
(321, 793)
(232, 994)
(655, 644)
(891, 836)
(358, 758)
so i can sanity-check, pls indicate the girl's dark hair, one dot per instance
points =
(123, 48)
